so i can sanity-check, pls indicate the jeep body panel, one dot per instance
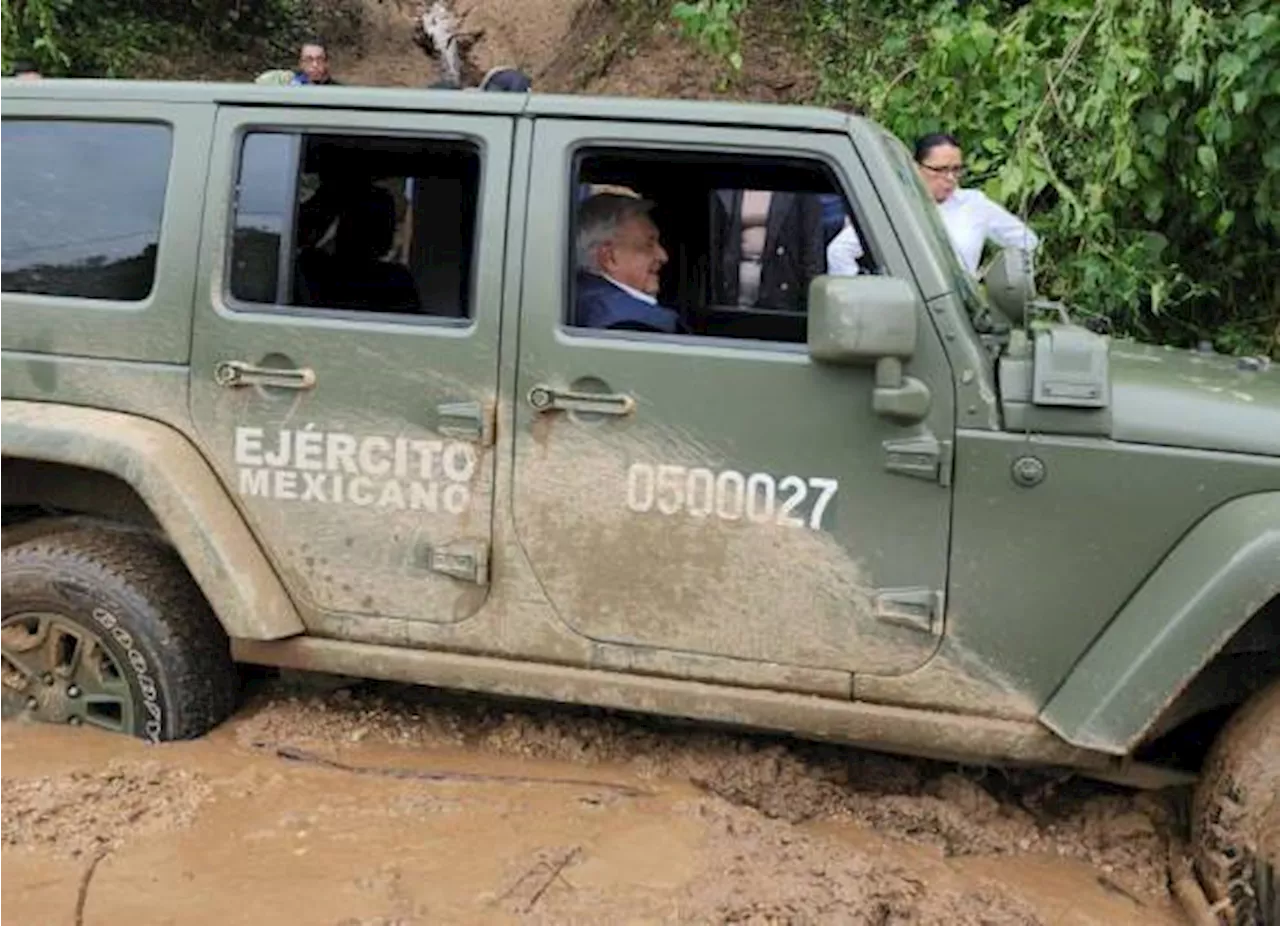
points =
(373, 537)
(1038, 571)
(634, 521)
(183, 494)
(1224, 571)
(934, 734)
(1177, 398)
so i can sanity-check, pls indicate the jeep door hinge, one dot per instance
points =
(473, 421)
(463, 559)
(917, 608)
(923, 457)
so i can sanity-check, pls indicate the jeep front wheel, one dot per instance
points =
(1236, 819)
(104, 627)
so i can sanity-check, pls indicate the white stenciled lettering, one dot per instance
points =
(255, 482)
(248, 450)
(427, 451)
(424, 497)
(333, 468)
(640, 488)
(459, 462)
(762, 494)
(700, 492)
(360, 491)
(279, 456)
(456, 497)
(308, 450)
(285, 484)
(391, 496)
(798, 489)
(401, 468)
(340, 453)
(313, 487)
(374, 456)
(730, 495)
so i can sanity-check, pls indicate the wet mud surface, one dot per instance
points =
(378, 805)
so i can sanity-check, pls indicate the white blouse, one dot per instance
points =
(971, 219)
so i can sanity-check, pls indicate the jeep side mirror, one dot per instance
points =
(1010, 281)
(870, 321)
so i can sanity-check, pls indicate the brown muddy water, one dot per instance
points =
(384, 806)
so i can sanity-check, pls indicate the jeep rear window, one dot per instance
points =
(356, 223)
(82, 204)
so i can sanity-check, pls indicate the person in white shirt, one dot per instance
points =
(970, 216)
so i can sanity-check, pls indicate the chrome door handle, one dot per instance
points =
(238, 373)
(545, 399)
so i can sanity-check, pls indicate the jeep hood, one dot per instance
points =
(1178, 398)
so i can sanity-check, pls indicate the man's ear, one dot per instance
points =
(604, 256)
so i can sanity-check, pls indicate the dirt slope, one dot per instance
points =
(628, 48)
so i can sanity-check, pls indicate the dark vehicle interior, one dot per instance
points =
(684, 187)
(354, 227)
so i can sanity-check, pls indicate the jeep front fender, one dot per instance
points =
(184, 495)
(1222, 572)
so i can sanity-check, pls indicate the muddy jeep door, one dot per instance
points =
(701, 484)
(345, 356)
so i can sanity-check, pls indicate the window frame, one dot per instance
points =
(358, 318)
(583, 148)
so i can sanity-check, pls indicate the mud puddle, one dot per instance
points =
(375, 806)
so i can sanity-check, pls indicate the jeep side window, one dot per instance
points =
(82, 204)
(739, 240)
(355, 223)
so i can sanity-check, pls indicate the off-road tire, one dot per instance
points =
(131, 591)
(1236, 816)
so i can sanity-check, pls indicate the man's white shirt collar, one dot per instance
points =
(631, 290)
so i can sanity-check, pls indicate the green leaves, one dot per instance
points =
(112, 38)
(1112, 126)
(713, 24)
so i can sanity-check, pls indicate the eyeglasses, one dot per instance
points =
(956, 171)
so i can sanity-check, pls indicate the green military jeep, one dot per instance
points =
(299, 377)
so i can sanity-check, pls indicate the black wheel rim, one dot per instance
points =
(58, 671)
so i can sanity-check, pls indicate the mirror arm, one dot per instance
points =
(901, 398)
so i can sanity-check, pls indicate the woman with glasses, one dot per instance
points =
(970, 216)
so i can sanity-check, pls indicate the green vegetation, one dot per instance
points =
(713, 24)
(115, 38)
(1140, 137)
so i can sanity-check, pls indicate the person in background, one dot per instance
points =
(833, 215)
(313, 65)
(508, 79)
(26, 70)
(768, 245)
(619, 256)
(970, 216)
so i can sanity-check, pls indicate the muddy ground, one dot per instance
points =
(382, 806)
